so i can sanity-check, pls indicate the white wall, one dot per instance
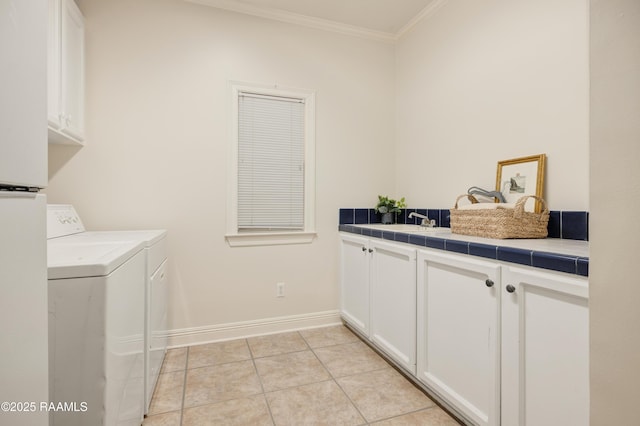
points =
(157, 145)
(614, 288)
(474, 84)
(480, 82)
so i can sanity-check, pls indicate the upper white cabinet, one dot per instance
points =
(458, 332)
(65, 73)
(545, 348)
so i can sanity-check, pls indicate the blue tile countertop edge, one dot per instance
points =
(576, 265)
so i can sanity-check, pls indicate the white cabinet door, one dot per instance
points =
(458, 332)
(545, 348)
(354, 264)
(72, 70)
(53, 65)
(65, 73)
(393, 301)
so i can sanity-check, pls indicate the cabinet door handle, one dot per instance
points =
(370, 250)
(364, 249)
(489, 283)
(511, 288)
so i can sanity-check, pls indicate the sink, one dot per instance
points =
(401, 227)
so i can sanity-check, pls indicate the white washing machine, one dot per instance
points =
(96, 328)
(154, 285)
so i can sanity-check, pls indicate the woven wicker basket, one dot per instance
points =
(500, 223)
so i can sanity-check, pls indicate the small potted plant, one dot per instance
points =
(387, 206)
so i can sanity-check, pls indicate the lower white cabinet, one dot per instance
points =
(354, 281)
(393, 302)
(378, 285)
(545, 348)
(458, 332)
(499, 344)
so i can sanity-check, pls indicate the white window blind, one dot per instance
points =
(271, 152)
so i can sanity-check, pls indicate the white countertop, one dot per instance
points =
(549, 245)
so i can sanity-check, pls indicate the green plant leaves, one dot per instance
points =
(389, 205)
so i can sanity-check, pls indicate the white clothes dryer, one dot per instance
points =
(156, 298)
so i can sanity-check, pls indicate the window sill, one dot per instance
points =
(269, 238)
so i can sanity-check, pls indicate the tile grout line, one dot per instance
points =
(404, 375)
(366, 422)
(332, 377)
(409, 412)
(218, 364)
(264, 395)
(184, 384)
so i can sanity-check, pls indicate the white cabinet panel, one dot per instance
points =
(545, 349)
(458, 332)
(65, 73)
(72, 70)
(393, 301)
(355, 281)
(53, 65)
(378, 282)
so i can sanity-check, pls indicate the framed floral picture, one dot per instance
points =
(522, 176)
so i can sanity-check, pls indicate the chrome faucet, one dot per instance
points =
(425, 220)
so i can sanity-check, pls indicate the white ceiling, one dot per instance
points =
(384, 19)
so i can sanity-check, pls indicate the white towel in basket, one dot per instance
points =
(487, 206)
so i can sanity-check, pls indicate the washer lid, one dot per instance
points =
(69, 259)
(149, 237)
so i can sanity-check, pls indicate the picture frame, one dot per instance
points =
(518, 177)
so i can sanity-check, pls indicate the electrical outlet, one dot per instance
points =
(279, 289)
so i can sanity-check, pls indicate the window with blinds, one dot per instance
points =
(271, 162)
(271, 173)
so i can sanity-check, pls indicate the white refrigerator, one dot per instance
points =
(23, 172)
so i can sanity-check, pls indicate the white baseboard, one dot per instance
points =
(239, 330)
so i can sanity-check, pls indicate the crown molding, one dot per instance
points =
(323, 24)
(298, 19)
(425, 13)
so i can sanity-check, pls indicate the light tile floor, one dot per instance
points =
(323, 376)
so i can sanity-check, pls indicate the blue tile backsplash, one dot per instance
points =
(574, 225)
(347, 216)
(554, 225)
(361, 216)
(569, 225)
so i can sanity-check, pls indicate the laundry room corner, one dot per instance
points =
(157, 145)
